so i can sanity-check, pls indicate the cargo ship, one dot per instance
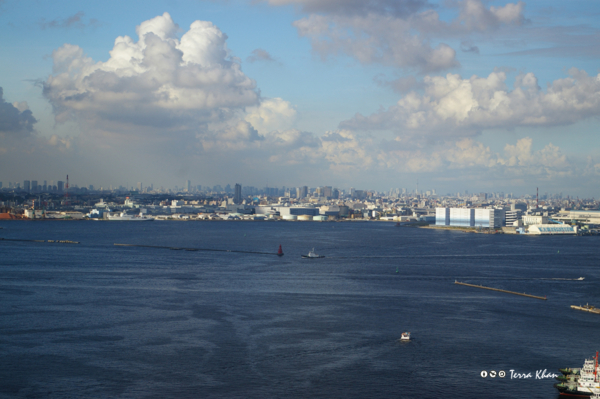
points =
(586, 308)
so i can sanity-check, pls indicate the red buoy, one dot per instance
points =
(280, 252)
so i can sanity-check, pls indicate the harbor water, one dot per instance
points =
(96, 320)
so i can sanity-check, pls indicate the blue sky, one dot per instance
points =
(459, 94)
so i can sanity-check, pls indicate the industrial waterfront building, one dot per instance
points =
(469, 217)
(578, 216)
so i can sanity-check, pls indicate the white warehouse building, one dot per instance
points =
(469, 217)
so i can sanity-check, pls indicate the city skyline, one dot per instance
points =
(32, 187)
(482, 96)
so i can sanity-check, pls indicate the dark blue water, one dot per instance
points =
(97, 320)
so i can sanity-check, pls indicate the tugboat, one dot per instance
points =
(312, 255)
(405, 336)
(568, 371)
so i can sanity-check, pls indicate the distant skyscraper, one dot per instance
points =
(61, 186)
(188, 186)
(27, 185)
(237, 196)
(303, 192)
(139, 186)
(34, 186)
(45, 186)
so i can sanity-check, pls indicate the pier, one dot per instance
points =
(499, 290)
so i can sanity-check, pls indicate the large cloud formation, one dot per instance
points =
(159, 82)
(396, 33)
(453, 107)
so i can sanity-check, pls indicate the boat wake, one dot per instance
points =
(565, 279)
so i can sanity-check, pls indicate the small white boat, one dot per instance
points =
(405, 336)
(312, 255)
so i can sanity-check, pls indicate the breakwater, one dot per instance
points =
(45, 241)
(197, 249)
(499, 290)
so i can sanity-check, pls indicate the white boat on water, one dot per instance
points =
(405, 336)
(312, 255)
(129, 218)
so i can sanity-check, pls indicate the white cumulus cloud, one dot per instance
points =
(158, 82)
(451, 106)
(272, 114)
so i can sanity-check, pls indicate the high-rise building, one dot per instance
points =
(34, 186)
(27, 185)
(237, 196)
(301, 192)
(45, 186)
(60, 186)
(188, 186)
(139, 186)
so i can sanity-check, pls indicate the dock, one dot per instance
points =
(586, 308)
(499, 290)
